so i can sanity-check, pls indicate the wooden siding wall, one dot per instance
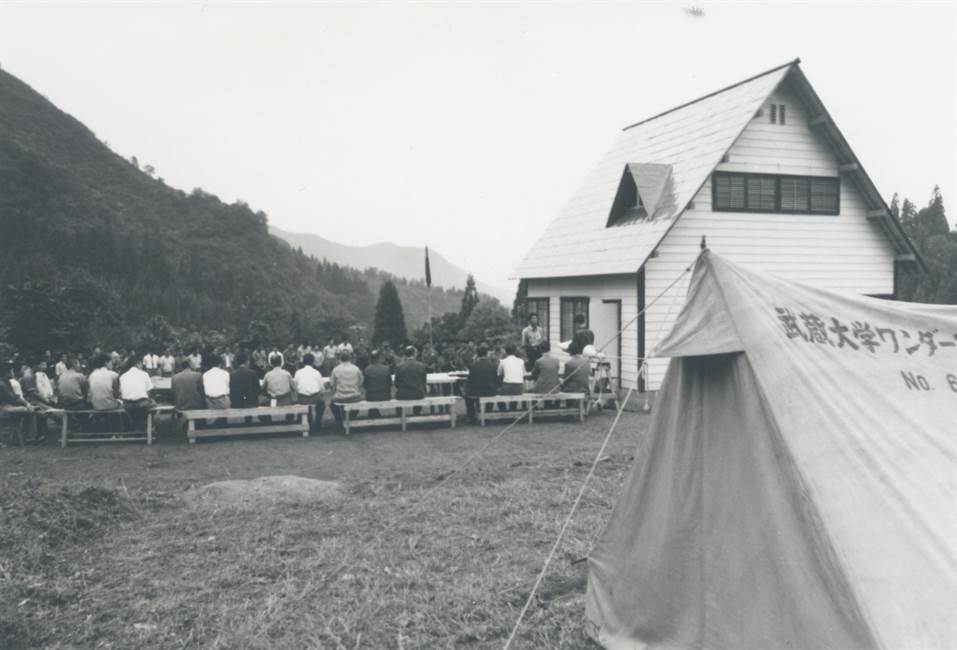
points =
(846, 253)
(596, 288)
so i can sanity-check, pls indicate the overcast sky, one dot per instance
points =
(463, 126)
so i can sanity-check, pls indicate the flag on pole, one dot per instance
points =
(428, 269)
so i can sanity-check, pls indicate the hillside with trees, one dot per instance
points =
(95, 248)
(930, 231)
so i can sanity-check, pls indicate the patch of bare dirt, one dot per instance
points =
(265, 490)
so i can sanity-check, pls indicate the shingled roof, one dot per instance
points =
(691, 139)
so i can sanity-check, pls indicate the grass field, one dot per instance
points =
(101, 546)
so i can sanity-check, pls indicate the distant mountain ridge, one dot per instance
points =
(402, 261)
(95, 250)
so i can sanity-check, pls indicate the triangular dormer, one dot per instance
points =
(640, 193)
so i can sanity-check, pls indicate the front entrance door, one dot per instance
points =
(605, 322)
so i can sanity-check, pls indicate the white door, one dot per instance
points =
(605, 321)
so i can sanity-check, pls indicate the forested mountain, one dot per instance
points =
(92, 247)
(401, 261)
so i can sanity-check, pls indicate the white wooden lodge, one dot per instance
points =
(759, 168)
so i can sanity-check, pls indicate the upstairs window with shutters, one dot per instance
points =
(777, 113)
(740, 192)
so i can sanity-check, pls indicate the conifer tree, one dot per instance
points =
(389, 322)
(470, 299)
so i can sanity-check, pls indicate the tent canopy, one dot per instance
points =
(798, 484)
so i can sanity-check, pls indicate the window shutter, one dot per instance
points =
(794, 194)
(824, 195)
(774, 113)
(761, 193)
(781, 114)
(729, 192)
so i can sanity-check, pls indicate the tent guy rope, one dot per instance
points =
(481, 450)
(591, 472)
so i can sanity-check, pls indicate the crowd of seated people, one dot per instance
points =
(506, 375)
(272, 375)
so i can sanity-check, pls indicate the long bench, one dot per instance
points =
(117, 415)
(236, 424)
(401, 412)
(530, 405)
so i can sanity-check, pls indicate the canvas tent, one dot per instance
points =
(798, 484)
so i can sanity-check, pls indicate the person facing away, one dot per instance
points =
(307, 380)
(277, 383)
(135, 387)
(187, 387)
(244, 385)
(346, 380)
(577, 372)
(72, 387)
(377, 379)
(135, 384)
(104, 386)
(346, 386)
(308, 385)
(411, 377)
(482, 382)
(582, 333)
(216, 383)
(546, 374)
(483, 375)
(511, 370)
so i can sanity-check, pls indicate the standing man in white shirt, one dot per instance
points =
(308, 384)
(135, 387)
(216, 385)
(151, 364)
(533, 340)
(167, 363)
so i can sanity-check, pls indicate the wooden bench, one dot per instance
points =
(528, 405)
(236, 418)
(578, 410)
(405, 409)
(106, 436)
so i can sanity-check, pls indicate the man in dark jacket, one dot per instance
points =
(411, 378)
(244, 388)
(377, 381)
(187, 386)
(483, 381)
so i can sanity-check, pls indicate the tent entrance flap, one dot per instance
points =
(698, 555)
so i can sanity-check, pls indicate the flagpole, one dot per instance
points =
(428, 293)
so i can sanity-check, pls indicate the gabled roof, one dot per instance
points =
(690, 139)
